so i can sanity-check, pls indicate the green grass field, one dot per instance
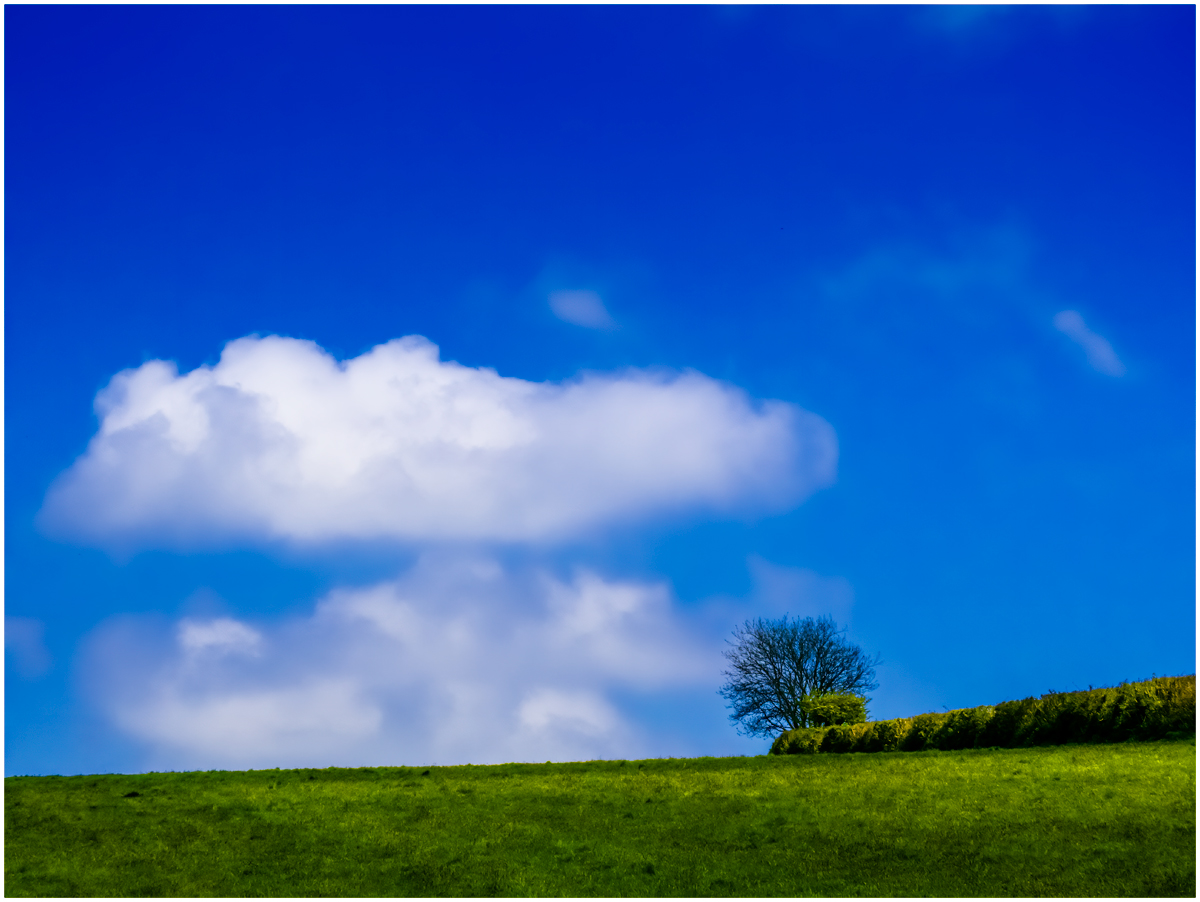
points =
(1072, 820)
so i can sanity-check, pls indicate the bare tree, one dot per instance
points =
(778, 667)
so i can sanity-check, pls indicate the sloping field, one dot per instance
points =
(1071, 820)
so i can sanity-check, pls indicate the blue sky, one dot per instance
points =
(403, 385)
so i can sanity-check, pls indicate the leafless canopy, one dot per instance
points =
(774, 664)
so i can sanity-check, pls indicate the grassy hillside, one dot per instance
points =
(1071, 820)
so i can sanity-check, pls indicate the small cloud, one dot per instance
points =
(204, 604)
(1100, 354)
(799, 592)
(23, 642)
(221, 635)
(581, 307)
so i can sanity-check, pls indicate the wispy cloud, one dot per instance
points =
(459, 660)
(1100, 354)
(959, 20)
(581, 307)
(219, 636)
(799, 591)
(279, 440)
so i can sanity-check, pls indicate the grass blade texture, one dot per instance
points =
(1073, 820)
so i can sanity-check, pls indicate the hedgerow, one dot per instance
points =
(1158, 708)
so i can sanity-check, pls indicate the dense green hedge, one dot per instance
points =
(834, 708)
(1151, 709)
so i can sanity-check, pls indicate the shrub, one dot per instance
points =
(1041, 723)
(962, 729)
(1073, 717)
(1007, 718)
(842, 737)
(882, 736)
(830, 709)
(1179, 704)
(922, 727)
(1161, 707)
(1090, 716)
(1146, 710)
(1151, 709)
(804, 741)
(1134, 710)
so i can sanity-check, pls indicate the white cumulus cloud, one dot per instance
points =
(1100, 354)
(279, 440)
(459, 660)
